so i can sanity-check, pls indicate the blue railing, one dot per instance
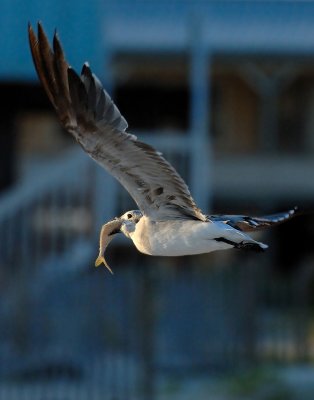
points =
(50, 222)
(46, 216)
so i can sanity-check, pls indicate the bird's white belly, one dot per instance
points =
(177, 238)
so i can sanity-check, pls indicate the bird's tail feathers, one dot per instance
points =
(251, 245)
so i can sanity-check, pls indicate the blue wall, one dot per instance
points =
(78, 23)
(86, 27)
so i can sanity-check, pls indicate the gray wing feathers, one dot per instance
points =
(86, 110)
(91, 102)
(250, 224)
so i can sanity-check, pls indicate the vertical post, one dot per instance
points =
(7, 148)
(106, 186)
(146, 307)
(199, 117)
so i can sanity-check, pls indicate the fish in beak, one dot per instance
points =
(107, 233)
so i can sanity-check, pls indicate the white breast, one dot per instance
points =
(178, 237)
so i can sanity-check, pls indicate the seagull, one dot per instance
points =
(168, 222)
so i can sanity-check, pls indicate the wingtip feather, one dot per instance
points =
(40, 30)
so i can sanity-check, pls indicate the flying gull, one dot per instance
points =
(168, 222)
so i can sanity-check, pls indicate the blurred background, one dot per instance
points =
(225, 89)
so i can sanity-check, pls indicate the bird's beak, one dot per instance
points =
(106, 235)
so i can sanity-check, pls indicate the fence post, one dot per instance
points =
(199, 116)
(146, 317)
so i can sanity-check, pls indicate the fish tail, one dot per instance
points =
(101, 260)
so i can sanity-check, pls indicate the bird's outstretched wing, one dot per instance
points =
(86, 110)
(250, 224)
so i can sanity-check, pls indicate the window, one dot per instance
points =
(262, 106)
(152, 91)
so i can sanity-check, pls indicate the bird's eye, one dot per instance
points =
(129, 216)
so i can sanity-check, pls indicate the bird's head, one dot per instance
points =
(129, 221)
(132, 216)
